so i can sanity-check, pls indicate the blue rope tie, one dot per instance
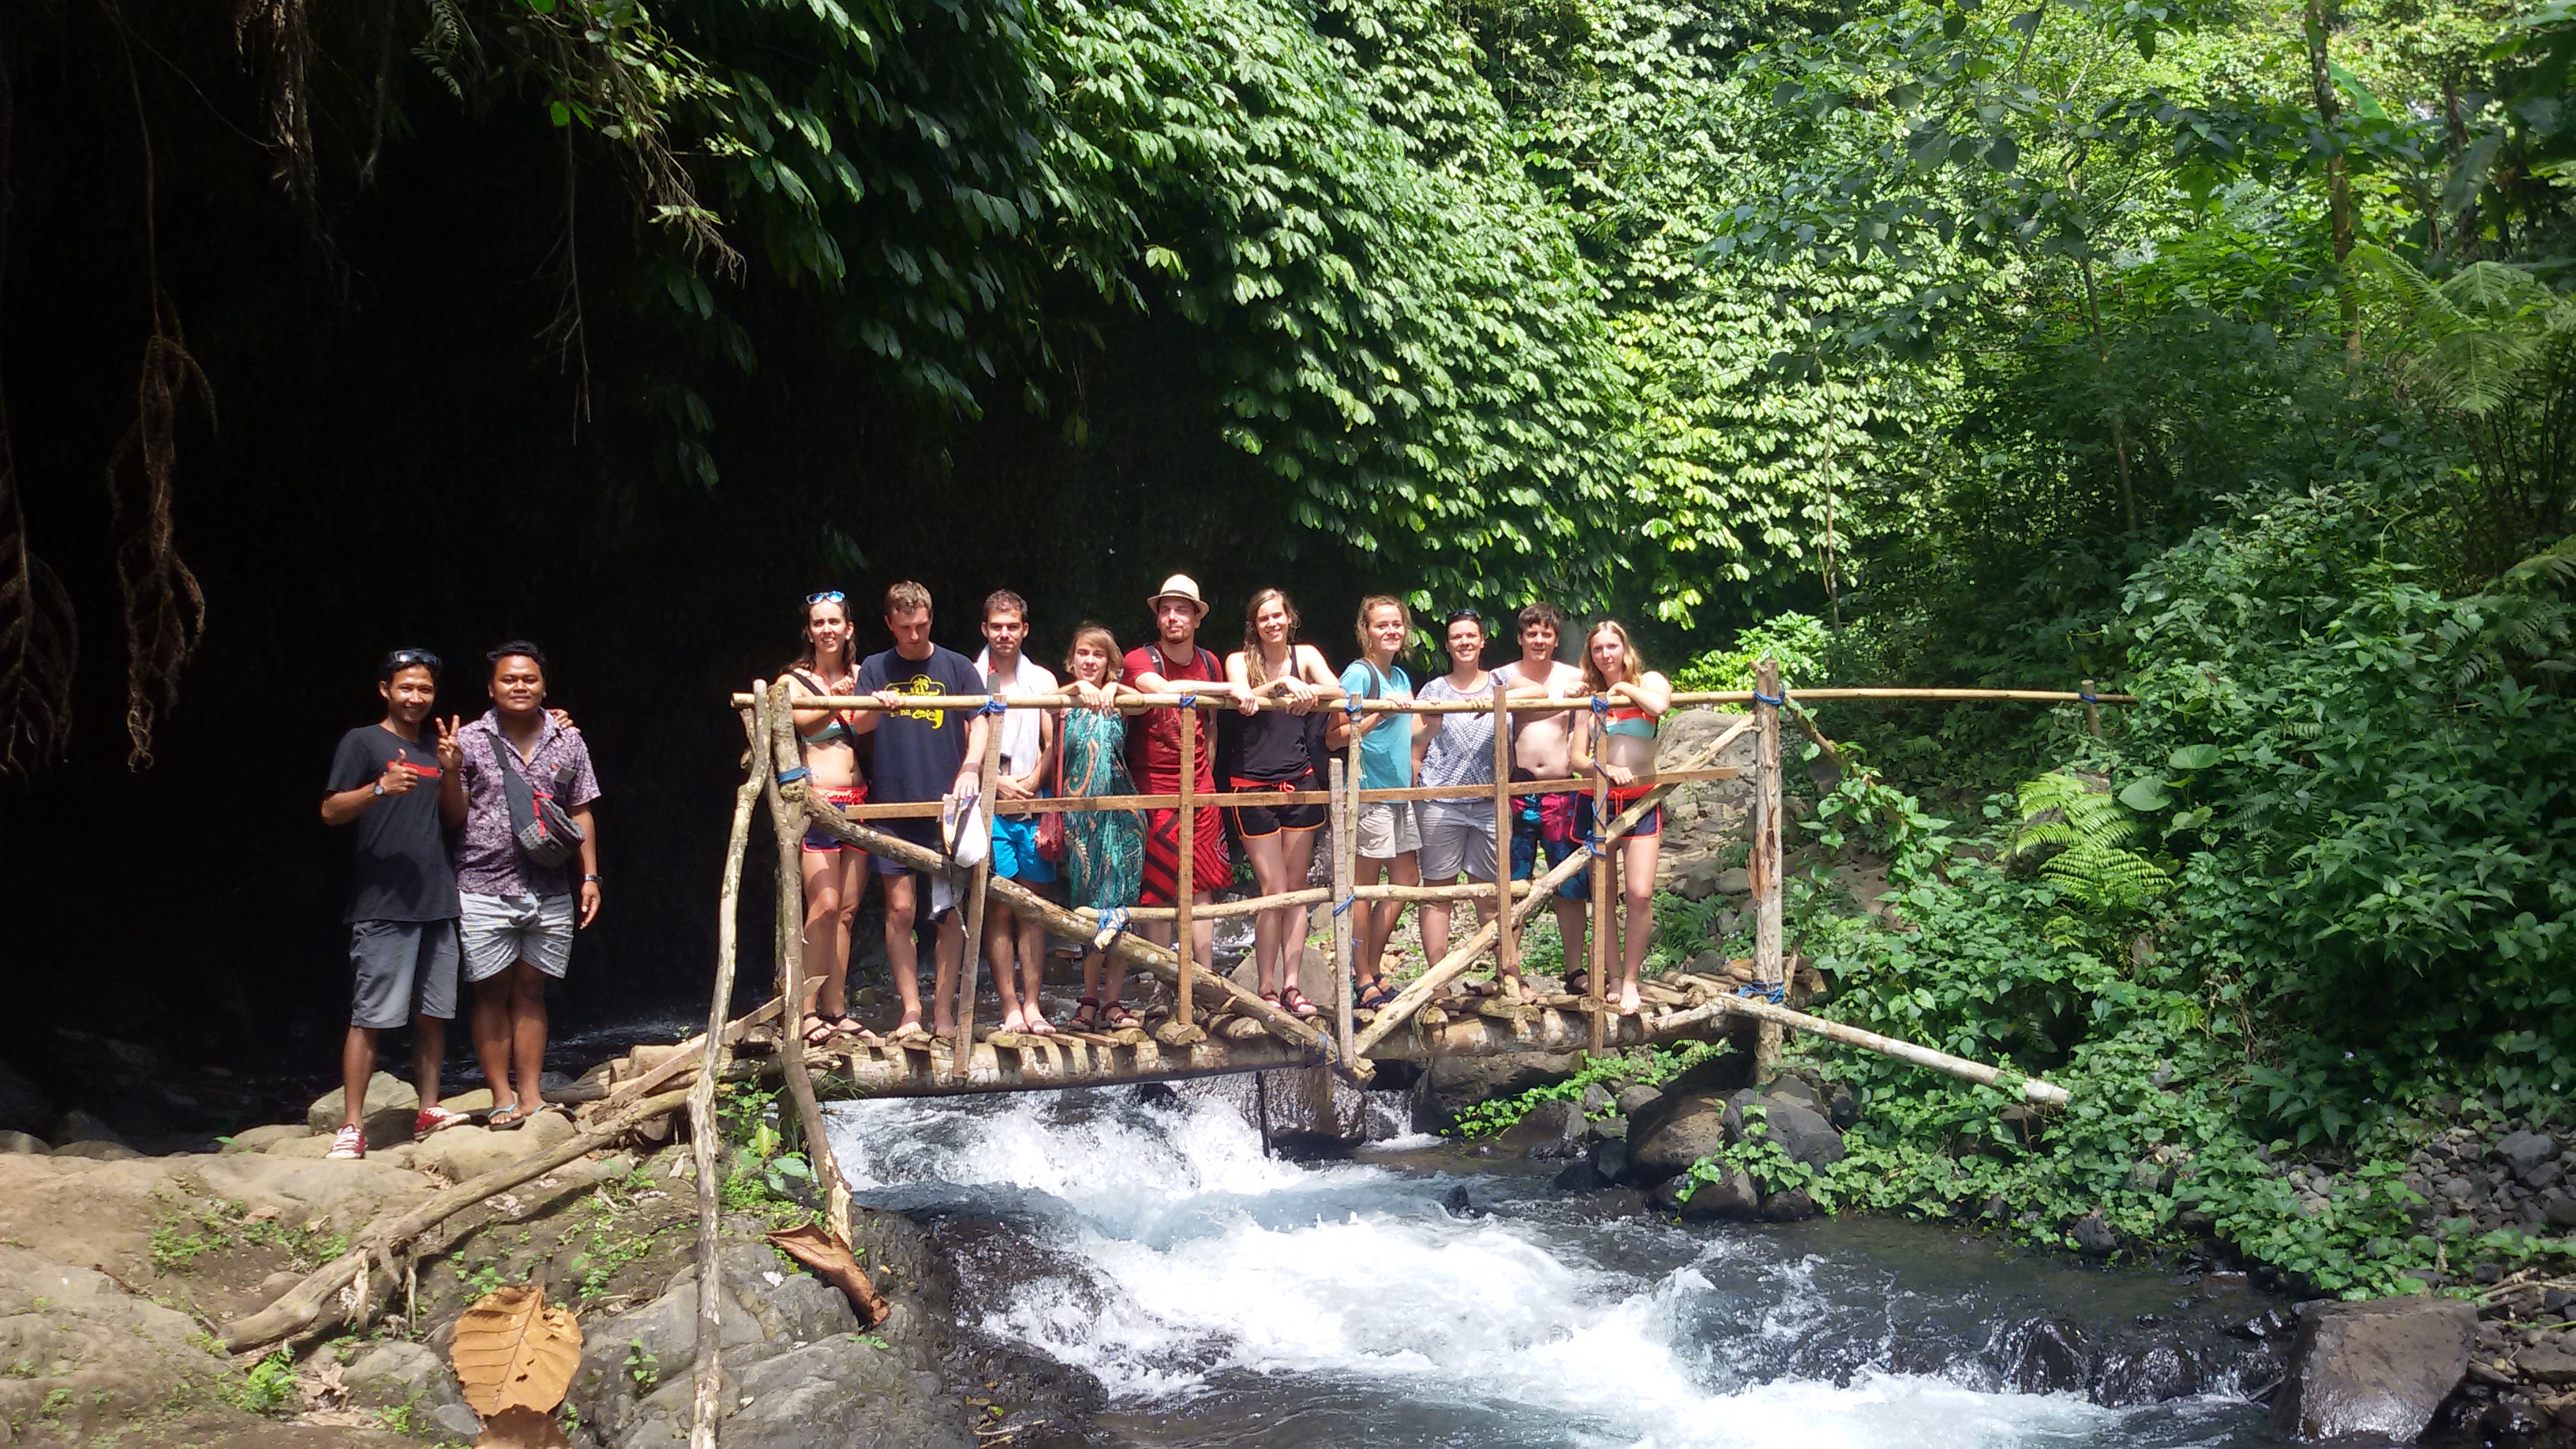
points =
(1355, 707)
(1345, 905)
(1189, 701)
(1770, 991)
(1113, 921)
(1600, 705)
(791, 774)
(993, 704)
(1775, 702)
(1592, 844)
(2088, 698)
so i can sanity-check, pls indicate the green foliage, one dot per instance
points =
(1757, 1154)
(268, 1386)
(2092, 834)
(1798, 641)
(1652, 1066)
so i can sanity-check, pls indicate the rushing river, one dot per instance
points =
(1229, 1299)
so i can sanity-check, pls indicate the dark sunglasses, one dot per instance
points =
(412, 658)
(1468, 614)
(827, 596)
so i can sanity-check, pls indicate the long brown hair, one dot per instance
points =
(1371, 605)
(1092, 633)
(849, 646)
(1632, 664)
(1255, 669)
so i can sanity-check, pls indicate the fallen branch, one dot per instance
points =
(2046, 1094)
(301, 1307)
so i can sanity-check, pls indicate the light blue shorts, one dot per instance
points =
(1015, 850)
(500, 930)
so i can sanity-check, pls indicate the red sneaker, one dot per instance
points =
(348, 1143)
(436, 1119)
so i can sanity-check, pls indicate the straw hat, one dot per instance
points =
(1179, 586)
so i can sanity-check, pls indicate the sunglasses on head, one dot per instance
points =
(1469, 615)
(412, 658)
(827, 596)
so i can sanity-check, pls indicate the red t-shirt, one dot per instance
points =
(1154, 737)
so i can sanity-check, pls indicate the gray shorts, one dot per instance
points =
(404, 969)
(500, 930)
(1387, 830)
(1456, 842)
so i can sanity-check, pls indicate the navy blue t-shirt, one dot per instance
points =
(403, 871)
(919, 750)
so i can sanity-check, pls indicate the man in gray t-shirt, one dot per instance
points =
(1458, 750)
(402, 909)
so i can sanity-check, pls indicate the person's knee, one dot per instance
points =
(823, 904)
(1640, 903)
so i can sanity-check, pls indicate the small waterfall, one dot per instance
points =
(1228, 1298)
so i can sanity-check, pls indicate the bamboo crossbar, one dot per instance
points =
(1523, 704)
(927, 809)
(1319, 895)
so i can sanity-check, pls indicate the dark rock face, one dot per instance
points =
(2524, 1151)
(1610, 1160)
(2380, 1367)
(1453, 1084)
(1638, 1098)
(2045, 1356)
(1732, 1196)
(1545, 1129)
(1790, 1206)
(24, 1106)
(2095, 1237)
(1801, 1130)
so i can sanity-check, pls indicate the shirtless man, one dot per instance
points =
(1543, 749)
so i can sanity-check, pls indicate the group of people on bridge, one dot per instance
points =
(1089, 733)
(478, 853)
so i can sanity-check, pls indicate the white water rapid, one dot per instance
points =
(1224, 1298)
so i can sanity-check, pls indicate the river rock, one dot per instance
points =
(97, 1151)
(260, 1139)
(1453, 1084)
(1636, 1099)
(2525, 1150)
(1575, 1176)
(80, 1125)
(2548, 1362)
(1788, 1206)
(2378, 1367)
(11, 1141)
(1800, 1130)
(1610, 1160)
(395, 1373)
(2094, 1237)
(1670, 1135)
(24, 1106)
(388, 1112)
(1733, 1196)
(1545, 1129)
(461, 1154)
(84, 1356)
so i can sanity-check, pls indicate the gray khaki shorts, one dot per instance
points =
(1387, 830)
(1456, 842)
(404, 968)
(499, 930)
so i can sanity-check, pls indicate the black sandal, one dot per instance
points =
(1578, 982)
(1377, 995)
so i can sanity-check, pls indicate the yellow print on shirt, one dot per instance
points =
(921, 684)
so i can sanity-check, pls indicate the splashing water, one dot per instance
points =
(1224, 1298)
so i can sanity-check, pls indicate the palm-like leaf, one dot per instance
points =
(2476, 342)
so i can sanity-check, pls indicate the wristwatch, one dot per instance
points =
(380, 790)
(590, 880)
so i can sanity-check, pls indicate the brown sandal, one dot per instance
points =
(1295, 1002)
(1119, 1018)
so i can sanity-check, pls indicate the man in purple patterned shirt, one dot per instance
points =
(518, 917)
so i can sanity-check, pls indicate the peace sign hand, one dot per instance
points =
(451, 752)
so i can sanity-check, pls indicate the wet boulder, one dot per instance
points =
(1548, 1130)
(1790, 1205)
(1733, 1196)
(1801, 1130)
(2523, 1152)
(1453, 1084)
(1672, 1133)
(2094, 1237)
(2379, 1367)
(388, 1112)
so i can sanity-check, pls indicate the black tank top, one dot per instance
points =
(1277, 745)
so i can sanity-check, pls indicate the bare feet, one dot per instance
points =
(1015, 1022)
(1629, 1002)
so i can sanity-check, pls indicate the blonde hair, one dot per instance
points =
(1371, 605)
(1093, 633)
(1255, 669)
(1632, 665)
(905, 597)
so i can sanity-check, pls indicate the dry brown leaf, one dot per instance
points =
(512, 1351)
(521, 1429)
(814, 1246)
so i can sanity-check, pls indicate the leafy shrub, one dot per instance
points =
(1798, 641)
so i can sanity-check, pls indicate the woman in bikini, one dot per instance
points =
(1104, 850)
(1618, 739)
(1279, 748)
(836, 875)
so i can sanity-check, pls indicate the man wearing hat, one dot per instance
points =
(1175, 664)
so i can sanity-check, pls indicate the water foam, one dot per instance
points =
(1185, 1263)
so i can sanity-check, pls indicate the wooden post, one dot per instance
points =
(1189, 834)
(985, 769)
(787, 812)
(2092, 712)
(1345, 835)
(708, 1387)
(1507, 960)
(1597, 955)
(1352, 773)
(1766, 857)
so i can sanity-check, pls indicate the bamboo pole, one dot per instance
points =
(1681, 700)
(1773, 1018)
(1597, 949)
(1318, 895)
(1159, 961)
(1187, 826)
(786, 810)
(1766, 858)
(704, 1408)
(1342, 899)
(1363, 917)
(2092, 710)
(973, 955)
(925, 809)
(1507, 946)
